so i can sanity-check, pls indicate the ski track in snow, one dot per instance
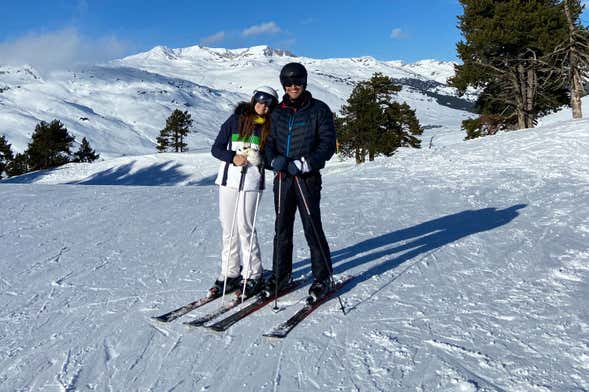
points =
(471, 270)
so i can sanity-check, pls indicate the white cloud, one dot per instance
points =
(213, 39)
(264, 28)
(398, 33)
(60, 49)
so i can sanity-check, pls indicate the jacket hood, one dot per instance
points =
(242, 108)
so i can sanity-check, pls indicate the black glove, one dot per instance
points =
(294, 169)
(278, 163)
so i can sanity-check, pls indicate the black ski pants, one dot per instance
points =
(288, 196)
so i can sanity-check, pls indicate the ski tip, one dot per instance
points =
(160, 319)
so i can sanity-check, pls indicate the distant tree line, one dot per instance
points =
(526, 57)
(372, 123)
(50, 147)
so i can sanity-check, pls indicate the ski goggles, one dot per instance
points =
(264, 98)
(293, 82)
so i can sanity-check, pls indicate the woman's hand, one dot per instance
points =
(239, 160)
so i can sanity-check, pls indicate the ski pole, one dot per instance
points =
(241, 181)
(249, 257)
(323, 254)
(275, 275)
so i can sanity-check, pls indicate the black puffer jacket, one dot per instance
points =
(307, 132)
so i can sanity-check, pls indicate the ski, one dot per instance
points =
(181, 311)
(282, 329)
(200, 321)
(259, 302)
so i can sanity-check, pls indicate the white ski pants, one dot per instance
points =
(237, 252)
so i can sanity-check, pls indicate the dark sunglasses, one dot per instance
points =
(264, 98)
(291, 82)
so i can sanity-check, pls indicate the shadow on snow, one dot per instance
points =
(413, 241)
(161, 174)
(165, 173)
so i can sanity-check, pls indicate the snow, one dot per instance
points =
(471, 266)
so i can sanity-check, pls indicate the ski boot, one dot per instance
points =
(271, 287)
(217, 289)
(318, 289)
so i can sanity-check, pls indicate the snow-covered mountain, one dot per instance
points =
(121, 106)
(471, 265)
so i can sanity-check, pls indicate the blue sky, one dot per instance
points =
(94, 30)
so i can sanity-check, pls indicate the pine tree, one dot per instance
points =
(399, 128)
(18, 166)
(373, 123)
(50, 146)
(163, 140)
(85, 153)
(6, 156)
(176, 129)
(504, 53)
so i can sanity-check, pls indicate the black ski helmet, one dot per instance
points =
(293, 73)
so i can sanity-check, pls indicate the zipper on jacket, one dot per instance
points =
(290, 126)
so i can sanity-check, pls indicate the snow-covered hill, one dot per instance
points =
(121, 106)
(471, 265)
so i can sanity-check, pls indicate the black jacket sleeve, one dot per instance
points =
(270, 146)
(326, 139)
(220, 148)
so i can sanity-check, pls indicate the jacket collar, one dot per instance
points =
(303, 101)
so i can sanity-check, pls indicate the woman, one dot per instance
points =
(239, 145)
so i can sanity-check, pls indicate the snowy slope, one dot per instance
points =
(121, 106)
(471, 264)
(120, 110)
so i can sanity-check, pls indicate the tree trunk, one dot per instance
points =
(526, 94)
(576, 80)
(531, 89)
(576, 94)
(521, 98)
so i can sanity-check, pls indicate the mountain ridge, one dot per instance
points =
(120, 106)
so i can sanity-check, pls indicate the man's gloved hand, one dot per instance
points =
(295, 167)
(278, 163)
(298, 166)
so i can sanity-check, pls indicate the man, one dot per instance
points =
(301, 140)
